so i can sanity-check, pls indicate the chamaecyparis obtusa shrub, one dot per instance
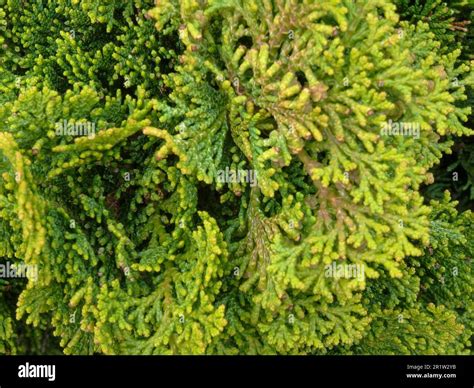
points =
(229, 177)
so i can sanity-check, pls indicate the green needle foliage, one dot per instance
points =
(411, 314)
(451, 26)
(449, 21)
(145, 238)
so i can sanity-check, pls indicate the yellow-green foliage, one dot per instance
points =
(142, 249)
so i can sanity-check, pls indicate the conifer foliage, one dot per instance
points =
(451, 26)
(208, 177)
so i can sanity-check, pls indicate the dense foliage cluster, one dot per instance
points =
(451, 26)
(145, 240)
